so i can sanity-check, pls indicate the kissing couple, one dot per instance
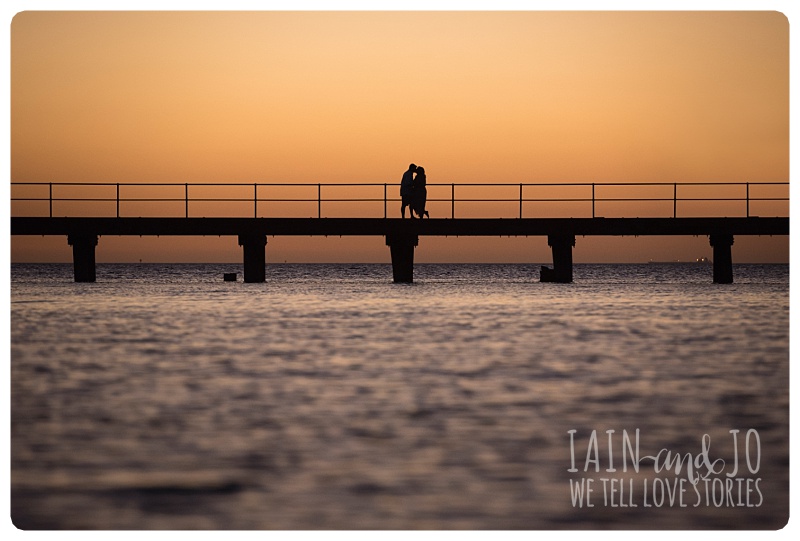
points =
(413, 192)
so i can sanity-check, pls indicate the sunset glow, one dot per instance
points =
(354, 97)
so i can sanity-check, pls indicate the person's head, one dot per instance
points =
(420, 170)
(412, 167)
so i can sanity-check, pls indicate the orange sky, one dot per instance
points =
(505, 97)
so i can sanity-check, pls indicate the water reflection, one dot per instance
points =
(324, 400)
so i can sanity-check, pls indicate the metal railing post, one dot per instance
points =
(186, 197)
(385, 200)
(675, 200)
(51, 199)
(453, 200)
(117, 199)
(319, 200)
(747, 194)
(255, 200)
(592, 199)
(520, 200)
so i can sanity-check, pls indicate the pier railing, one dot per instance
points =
(462, 200)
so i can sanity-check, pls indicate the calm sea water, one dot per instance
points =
(330, 398)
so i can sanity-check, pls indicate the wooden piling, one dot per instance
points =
(402, 250)
(561, 272)
(255, 260)
(723, 260)
(83, 257)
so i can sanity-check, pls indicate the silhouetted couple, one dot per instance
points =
(413, 192)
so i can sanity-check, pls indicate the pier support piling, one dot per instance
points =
(255, 260)
(562, 259)
(402, 249)
(83, 259)
(723, 261)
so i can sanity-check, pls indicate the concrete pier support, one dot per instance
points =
(402, 248)
(255, 259)
(562, 259)
(83, 259)
(723, 261)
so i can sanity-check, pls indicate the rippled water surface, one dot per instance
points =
(330, 398)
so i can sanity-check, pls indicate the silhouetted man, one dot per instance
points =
(407, 191)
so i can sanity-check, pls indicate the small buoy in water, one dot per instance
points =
(229, 276)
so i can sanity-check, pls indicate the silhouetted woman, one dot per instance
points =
(420, 193)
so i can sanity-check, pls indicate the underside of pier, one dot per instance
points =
(402, 235)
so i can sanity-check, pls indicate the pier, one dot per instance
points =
(402, 236)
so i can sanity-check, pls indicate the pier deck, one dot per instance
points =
(393, 226)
